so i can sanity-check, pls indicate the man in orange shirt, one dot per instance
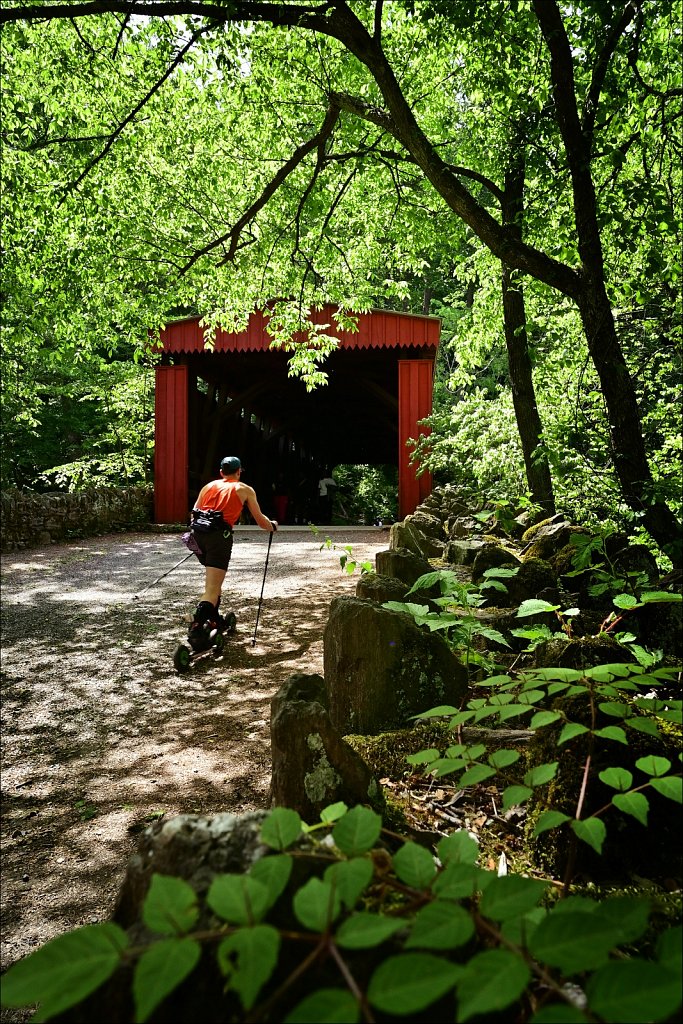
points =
(216, 510)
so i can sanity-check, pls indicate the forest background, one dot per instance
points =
(512, 167)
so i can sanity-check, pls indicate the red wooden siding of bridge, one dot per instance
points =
(171, 444)
(378, 329)
(414, 403)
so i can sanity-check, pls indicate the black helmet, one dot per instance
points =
(230, 465)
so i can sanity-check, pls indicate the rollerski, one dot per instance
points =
(205, 637)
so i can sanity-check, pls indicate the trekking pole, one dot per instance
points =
(258, 613)
(136, 596)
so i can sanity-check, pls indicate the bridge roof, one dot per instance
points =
(380, 328)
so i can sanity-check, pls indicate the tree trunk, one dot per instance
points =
(626, 437)
(519, 361)
(524, 397)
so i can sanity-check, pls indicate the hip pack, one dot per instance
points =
(207, 522)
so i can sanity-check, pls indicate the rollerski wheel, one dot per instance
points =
(204, 645)
(230, 624)
(182, 658)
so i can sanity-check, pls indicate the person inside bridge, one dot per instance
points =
(327, 485)
(217, 508)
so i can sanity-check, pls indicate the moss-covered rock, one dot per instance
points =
(493, 556)
(582, 652)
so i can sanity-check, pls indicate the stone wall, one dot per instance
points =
(31, 520)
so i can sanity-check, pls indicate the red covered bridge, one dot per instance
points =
(237, 399)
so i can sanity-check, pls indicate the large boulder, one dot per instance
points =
(410, 534)
(312, 765)
(463, 552)
(402, 565)
(380, 668)
(493, 556)
(463, 526)
(373, 586)
(194, 847)
(548, 537)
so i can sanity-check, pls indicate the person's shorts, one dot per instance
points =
(216, 547)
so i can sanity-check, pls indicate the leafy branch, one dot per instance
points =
(480, 941)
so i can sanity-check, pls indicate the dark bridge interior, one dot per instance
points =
(245, 404)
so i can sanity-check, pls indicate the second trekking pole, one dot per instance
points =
(258, 613)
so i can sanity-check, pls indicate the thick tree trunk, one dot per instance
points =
(524, 396)
(519, 360)
(626, 436)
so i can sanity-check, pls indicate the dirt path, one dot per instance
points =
(100, 735)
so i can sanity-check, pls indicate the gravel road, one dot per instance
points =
(100, 735)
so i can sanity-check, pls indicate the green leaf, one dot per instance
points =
(543, 718)
(629, 915)
(494, 681)
(514, 795)
(274, 873)
(446, 766)
(411, 982)
(511, 896)
(504, 758)
(492, 980)
(358, 831)
(571, 730)
(414, 865)
(66, 969)
(563, 675)
(634, 804)
(607, 673)
(513, 711)
(316, 905)
(247, 958)
(349, 878)
(170, 906)
(160, 969)
(573, 941)
(477, 773)
(617, 778)
(660, 597)
(326, 1006)
(534, 607)
(239, 899)
(333, 812)
(671, 786)
(519, 929)
(529, 696)
(440, 925)
(646, 725)
(612, 732)
(615, 709)
(653, 765)
(281, 828)
(458, 881)
(626, 601)
(548, 820)
(633, 991)
(440, 712)
(365, 930)
(458, 848)
(423, 756)
(591, 831)
(541, 774)
(670, 949)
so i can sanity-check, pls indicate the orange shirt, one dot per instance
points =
(221, 496)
